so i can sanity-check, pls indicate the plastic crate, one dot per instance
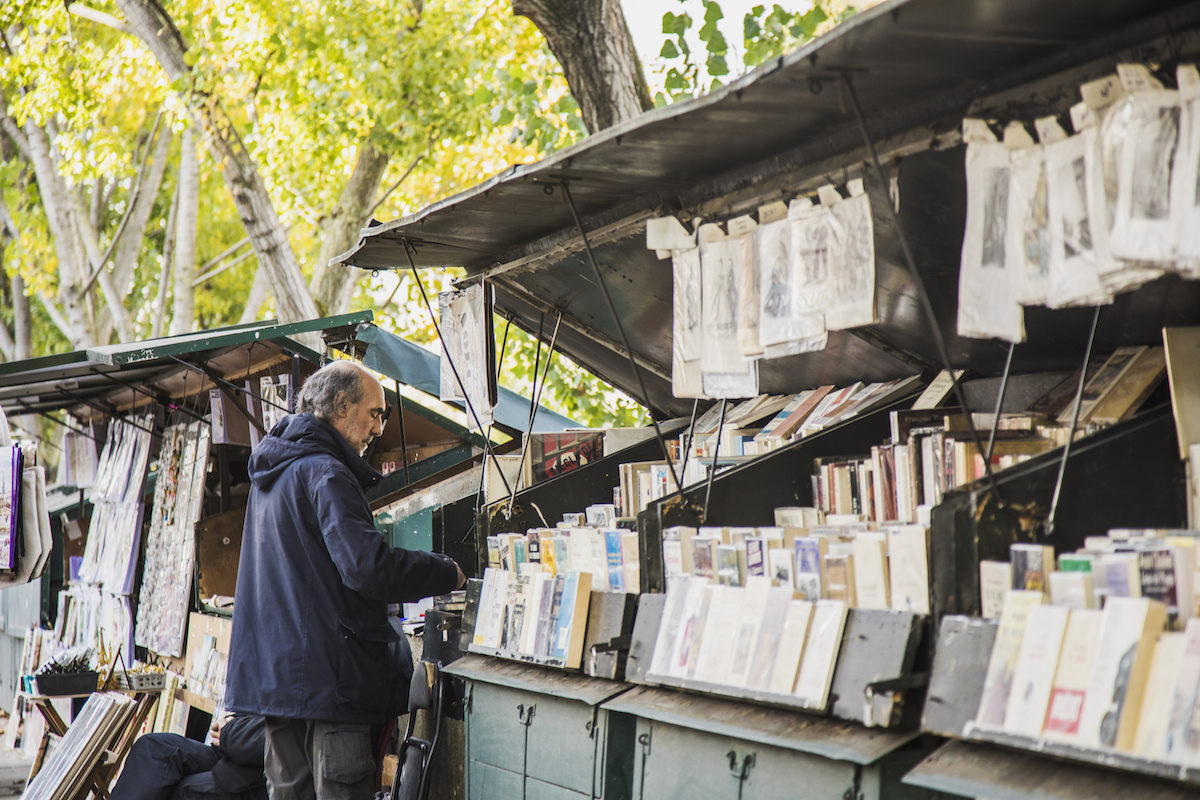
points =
(142, 681)
(69, 684)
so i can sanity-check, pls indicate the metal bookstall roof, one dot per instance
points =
(918, 66)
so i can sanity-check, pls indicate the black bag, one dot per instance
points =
(400, 671)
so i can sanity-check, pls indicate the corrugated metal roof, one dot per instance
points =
(918, 66)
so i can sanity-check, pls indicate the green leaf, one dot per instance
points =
(669, 50)
(716, 66)
(676, 24)
(717, 45)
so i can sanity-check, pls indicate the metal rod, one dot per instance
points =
(691, 437)
(219, 381)
(55, 420)
(612, 309)
(712, 471)
(537, 398)
(1000, 401)
(488, 436)
(403, 435)
(139, 390)
(109, 411)
(922, 295)
(1062, 466)
(294, 392)
(487, 442)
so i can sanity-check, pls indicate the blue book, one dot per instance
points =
(616, 562)
(562, 625)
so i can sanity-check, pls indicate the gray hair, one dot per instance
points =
(321, 392)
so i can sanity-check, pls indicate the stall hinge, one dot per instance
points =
(590, 726)
(644, 741)
(740, 771)
(611, 646)
(525, 713)
(469, 697)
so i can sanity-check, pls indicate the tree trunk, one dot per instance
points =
(150, 22)
(260, 290)
(592, 42)
(129, 246)
(22, 323)
(164, 275)
(342, 227)
(182, 316)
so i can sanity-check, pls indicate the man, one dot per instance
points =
(163, 765)
(309, 648)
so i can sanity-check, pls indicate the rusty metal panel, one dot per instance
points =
(956, 684)
(218, 549)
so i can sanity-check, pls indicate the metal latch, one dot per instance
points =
(889, 686)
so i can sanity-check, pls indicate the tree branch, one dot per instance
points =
(98, 17)
(129, 206)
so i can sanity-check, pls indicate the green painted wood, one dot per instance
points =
(487, 781)
(539, 790)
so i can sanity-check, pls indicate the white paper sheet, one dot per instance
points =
(852, 287)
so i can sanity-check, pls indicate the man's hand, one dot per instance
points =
(215, 732)
(462, 579)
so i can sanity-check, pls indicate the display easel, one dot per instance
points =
(115, 751)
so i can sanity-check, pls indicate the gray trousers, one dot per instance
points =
(312, 760)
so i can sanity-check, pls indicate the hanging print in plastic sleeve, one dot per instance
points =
(725, 373)
(852, 285)
(1142, 224)
(987, 306)
(685, 324)
(1075, 206)
(1027, 246)
(1185, 179)
(745, 229)
(782, 320)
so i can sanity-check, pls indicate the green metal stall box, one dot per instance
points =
(533, 733)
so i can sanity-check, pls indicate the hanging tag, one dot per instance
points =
(829, 195)
(1102, 92)
(740, 226)
(1083, 117)
(1137, 78)
(1049, 131)
(712, 233)
(668, 233)
(1016, 136)
(976, 131)
(855, 187)
(772, 212)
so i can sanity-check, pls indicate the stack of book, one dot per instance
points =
(1098, 679)
(859, 563)
(595, 546)
(538, 617)
(759, 638)
(1159, 564)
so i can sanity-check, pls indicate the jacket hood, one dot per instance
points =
(299, 436)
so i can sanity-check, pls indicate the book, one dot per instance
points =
(672, 551)
(756, 556)
(798, 517)
(515, 612)
(598, 559)
(937, 390)
(1135, 385)
(1033, 677)
(1072, 674)
(538, 596)
(1151, 737)
(1052, 403)
(572, 619)
(631, 555)
(820, 653)
(1112, 705)
(908, 568)
(493, 552)
(1076, 562)
(995, 579)
(791, 647)
(745, 634)
(691, 619)
(1031, 564)
(998, 681)
(781, 567)
(1182, 742)
(840, 583)
(724, 615)
(562, 555)
(729, 571)
(1119, 575)
(1167, 574)
(615, 559)
(549, 561)
(1103, 382)
(668, 629)
(487, 603)
(804, 408)
(1072, 589)
(546, 640)
(810, 566)
(1182, 347)
(871, 589)
(703, 557)
(770, 635)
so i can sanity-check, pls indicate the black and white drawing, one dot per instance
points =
(995, 213)
(852, 286)
(1153, 160)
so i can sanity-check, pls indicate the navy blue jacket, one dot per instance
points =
(310, 629)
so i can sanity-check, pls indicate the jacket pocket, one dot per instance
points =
(362, 681)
